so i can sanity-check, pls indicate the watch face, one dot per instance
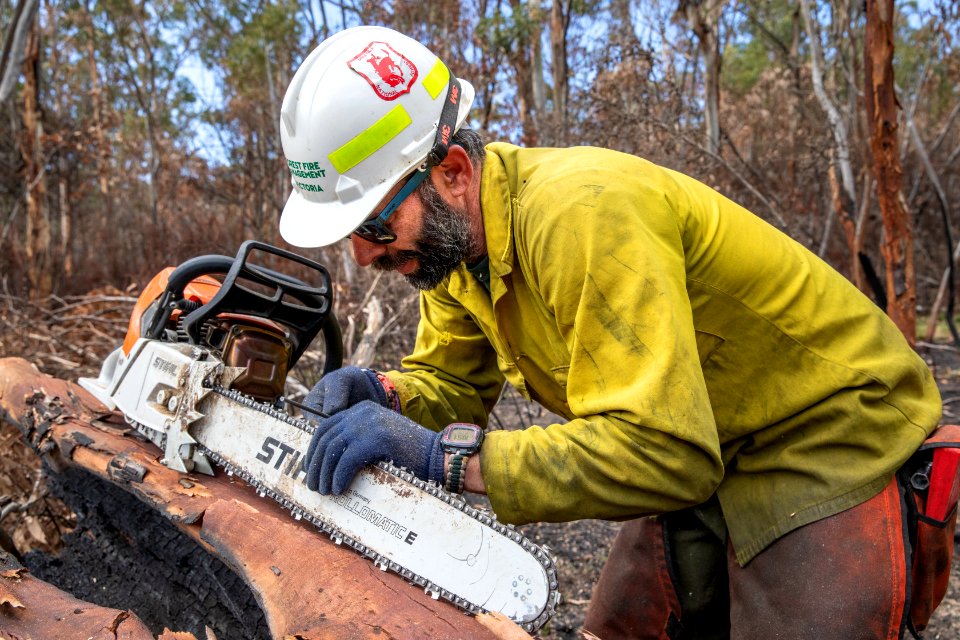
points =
(462, 436)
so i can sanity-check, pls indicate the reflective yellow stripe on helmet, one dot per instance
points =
(436, 80)
(367, 142)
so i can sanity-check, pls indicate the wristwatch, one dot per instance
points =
(461, 440)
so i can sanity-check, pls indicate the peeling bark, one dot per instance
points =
(882, 110)
(848, 224)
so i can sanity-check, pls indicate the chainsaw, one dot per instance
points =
(201, 374)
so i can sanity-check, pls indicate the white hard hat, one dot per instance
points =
(362, 111)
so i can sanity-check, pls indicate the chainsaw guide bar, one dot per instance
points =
(178, 396)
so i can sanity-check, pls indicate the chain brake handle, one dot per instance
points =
(305, 309)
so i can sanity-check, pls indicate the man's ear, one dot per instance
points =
(453, 176)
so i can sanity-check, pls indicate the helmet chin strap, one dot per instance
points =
(447, 125)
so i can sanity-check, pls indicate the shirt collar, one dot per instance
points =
(496, 195)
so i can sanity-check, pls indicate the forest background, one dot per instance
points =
(135, 135)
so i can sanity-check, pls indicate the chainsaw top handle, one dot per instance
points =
(304, 309)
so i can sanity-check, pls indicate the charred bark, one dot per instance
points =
(125, 555)
(31, 608)
(38, 236)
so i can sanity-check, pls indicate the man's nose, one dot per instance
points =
(365, 252)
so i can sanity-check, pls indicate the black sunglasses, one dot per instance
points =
(375, 229)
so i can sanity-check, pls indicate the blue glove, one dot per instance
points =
(366, 433)
(344, 388)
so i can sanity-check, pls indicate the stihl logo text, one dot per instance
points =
(166, 367)
(286, 456)
(289, 461)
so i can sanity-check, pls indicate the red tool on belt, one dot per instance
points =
(944, 483)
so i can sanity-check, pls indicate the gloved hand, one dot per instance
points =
(366, 433)
(344, 388)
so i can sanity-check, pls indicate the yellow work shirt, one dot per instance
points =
(691, 347)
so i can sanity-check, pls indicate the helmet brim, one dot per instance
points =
(308, 224)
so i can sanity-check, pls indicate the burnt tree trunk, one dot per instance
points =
(39, 271)
(703, 16)
(882, 107)
(559, 24)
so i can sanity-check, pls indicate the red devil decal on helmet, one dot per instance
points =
(389, 73)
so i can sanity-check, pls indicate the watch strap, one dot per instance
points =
(457, 473)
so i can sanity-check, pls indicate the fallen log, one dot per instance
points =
(26, 605)
(305, 586)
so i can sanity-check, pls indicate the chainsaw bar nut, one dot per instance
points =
(166, 398)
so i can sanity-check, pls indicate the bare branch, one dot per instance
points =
(36, 494)
(837, 125)
(770, 206)
(14, 45)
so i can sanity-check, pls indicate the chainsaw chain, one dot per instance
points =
(454, 500)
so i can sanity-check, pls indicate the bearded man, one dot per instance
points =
(735, 399)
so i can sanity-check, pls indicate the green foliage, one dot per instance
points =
(244, 57)
(508, 31)
(760, 37)
(743, 63)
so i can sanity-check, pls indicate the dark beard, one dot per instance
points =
(444, 242)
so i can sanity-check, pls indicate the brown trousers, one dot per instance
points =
(674, 577)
